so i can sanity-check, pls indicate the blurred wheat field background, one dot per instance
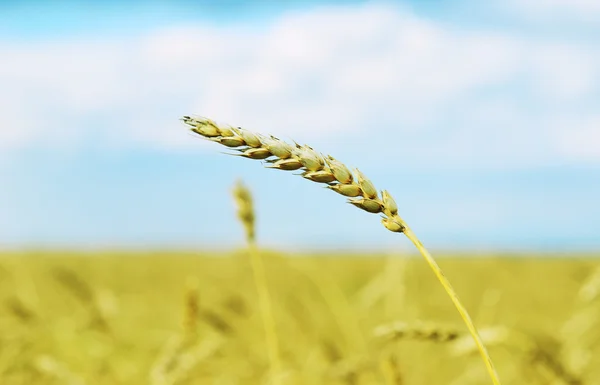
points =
(188, 318)
(121, 262)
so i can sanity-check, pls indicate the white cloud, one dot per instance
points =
(565, 72)
(579, 140)
(443, 92)
(556, 10)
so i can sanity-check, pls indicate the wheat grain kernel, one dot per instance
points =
(369, 205)
(322, 176)
(392, 225)
(256, 153)
(232, 141)
(348, 190)
(278, 148)
(339, 170)
(226, 131)
(309, 158)
(391, 208)
(369, 190)
(250, 138)
(286, 164)
(205, 127)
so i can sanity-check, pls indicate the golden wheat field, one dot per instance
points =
(193, 318)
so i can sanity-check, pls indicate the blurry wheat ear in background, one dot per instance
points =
(245, 207)
(245, 210)
(355, 186)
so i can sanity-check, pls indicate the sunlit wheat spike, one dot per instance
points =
(317, 168)
(358, 188)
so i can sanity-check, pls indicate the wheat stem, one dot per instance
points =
(266, 311)
(245, 204)
(459, 306)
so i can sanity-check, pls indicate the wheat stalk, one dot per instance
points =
(245, 205)
(359, 190)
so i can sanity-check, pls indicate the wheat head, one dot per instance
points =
(245, 209)
(417, 331)
(336, 176)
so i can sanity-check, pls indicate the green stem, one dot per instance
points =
(459, 306)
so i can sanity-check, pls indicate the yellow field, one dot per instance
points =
(177, 318)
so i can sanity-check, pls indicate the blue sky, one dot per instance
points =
(481, 118)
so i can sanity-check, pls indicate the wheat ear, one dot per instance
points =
(417, 331)
(359, 190)
(245, 205)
